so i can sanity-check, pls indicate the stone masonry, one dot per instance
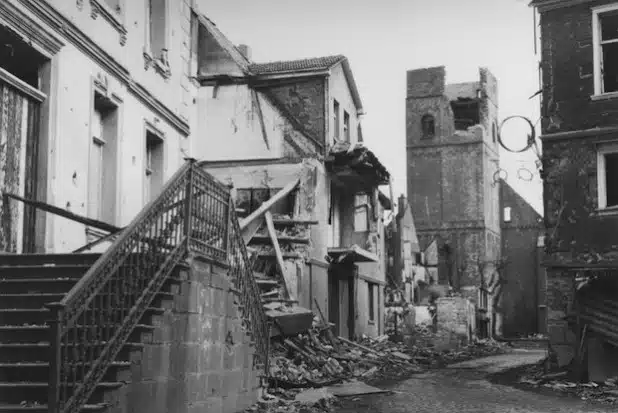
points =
(198, 358)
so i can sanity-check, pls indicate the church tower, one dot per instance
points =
(452, 164)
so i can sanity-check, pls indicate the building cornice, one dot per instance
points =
(50, 16)
(32, 31)
(578, 134)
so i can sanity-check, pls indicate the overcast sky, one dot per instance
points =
(383, 39)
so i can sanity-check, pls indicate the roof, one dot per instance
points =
(286, 66)
(225, 43)
(555, 4)
(303, 66)
(359, 158)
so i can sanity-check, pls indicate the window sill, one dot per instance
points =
(605, 212)
(113, 18)
(371, 322)
(162, 68)
(604, 96)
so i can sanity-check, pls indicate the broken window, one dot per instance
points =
(346, 126)
(195, 30)
(157, 28)
(608, 32)
(494, 132)
(336, 119)
(428, 126)
(250, 199)
(466, 113)
(153, 168)
(20, 59)
(102, 160)
(371, 296)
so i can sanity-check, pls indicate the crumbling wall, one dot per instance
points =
(456, 321)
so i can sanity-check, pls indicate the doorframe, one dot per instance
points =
(42, 40)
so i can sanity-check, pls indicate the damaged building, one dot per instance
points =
(287, 136)
(452, 157)
(580, 153)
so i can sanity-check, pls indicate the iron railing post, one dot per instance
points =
(189, 202)
(230, 216)
(55, 362)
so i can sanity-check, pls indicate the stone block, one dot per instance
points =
(185, 359)
(232, 382)
(215, 357)
(229, 357)
(180, 328)
(156, 361)
(213, 405)
(215, 383)
(162, 332)
(177, 400)
(197, 387)
(219, 281)
(230, 403)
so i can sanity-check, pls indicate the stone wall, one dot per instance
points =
(456, 321)
(198, 357)
(560, 295)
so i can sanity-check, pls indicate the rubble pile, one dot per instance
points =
(317, 359)
(605, 392)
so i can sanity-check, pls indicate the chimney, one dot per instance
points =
(245, 50)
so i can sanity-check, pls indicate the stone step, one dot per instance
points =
(36, 352)
(49, 259)
(39, 371)
(42, 408)
(37, 392)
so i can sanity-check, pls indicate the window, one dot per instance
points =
(336, 119)
(371, 296)
(607, 176)
(346, 126)
(361, 213)
(428, 126)
(359, 133)
(102, 160)
(507, 214)
(605, 37)
(157, 30)
(153, 168)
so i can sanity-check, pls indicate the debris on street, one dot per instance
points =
(605, 392)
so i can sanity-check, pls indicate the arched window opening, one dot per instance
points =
(428, 126)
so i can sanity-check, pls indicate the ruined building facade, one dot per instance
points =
(580, 162)
(452, 159)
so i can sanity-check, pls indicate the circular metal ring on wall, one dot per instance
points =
(500, 174)
(531, 137)
(527, 172)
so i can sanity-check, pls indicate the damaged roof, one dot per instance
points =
(467, 90)
(303, 66)
(360, 159)
(285, 66)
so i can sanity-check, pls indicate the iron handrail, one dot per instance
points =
(194, 213)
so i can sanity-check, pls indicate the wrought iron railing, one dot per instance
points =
(254, 319)
(94, 320)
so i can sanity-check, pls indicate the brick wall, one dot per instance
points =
(567, 71)
(198, 358)
(304, 100)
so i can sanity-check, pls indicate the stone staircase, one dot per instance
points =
(27, 283)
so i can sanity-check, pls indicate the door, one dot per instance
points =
(333, 299)
(19, 119)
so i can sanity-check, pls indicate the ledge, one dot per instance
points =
(160, 67)
(604, 96)
(99, 7)
(606, 212)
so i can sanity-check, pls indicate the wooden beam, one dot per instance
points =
(258, 213)
(281, 238)
(291, 222)
(273, 237)
(104, 226)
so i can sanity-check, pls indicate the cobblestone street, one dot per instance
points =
(466, 388)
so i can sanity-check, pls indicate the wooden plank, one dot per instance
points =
(282, 238)
(284, 254)
(367, 349)
(291, 222)
(246, 224)
(273, 238)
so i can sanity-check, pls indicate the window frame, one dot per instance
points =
(336, 119)
(371, 296)
(161, 63)
(148, 171)
(602, 151)
(428, 135)
(597, 49)
(346, 126)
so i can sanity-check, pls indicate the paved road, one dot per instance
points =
(464, 388)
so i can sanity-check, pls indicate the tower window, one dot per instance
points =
(428, 125)
(494, 132)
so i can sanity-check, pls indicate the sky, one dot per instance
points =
(383, 39)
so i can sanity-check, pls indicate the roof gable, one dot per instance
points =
(222, 57)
